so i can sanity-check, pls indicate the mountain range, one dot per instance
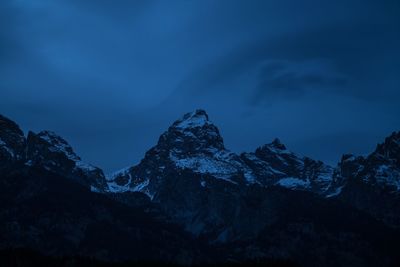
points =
(191, 200)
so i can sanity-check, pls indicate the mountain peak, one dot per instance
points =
(390, 148)
(193, 133)
(276, 146)
(12, 140)
(58, 144)
(6, 123)
(197, 118)
(50, 151)
(276, 143)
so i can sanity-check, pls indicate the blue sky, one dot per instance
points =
(111, 76)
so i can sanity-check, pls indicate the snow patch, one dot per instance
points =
(193, 120)
(9, 151)
(122, 172)
(206, 165)
(336, 192)
(85, 166)
(386, 175)
(94, 189)
(58, 145)
(291, 182)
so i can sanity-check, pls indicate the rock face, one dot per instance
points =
(194, 144)
(270, 203)
(49, 151)
(12, 142)
(202, 185)
(273, 164)
(372, 183)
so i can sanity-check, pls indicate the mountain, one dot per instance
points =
(48, 150)
(224, 197)
(192, 176)
(372, 183)
(194, 144)
(57, 216)
(274, 164)
(12, 142)
(191, 200)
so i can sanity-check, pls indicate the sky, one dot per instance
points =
(111, 76)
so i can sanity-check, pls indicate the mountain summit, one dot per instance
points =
(190, 167)
(193, 193)
(49, 151)
(193, 143)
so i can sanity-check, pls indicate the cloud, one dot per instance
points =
(359, 42)
(290, 79)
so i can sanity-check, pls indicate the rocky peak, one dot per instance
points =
(53, 143)
(277, 144)
(192, 144)
(277, 154)
(7, 126)
(12, 141)
(390, 148)
(197, 118)
(50, 151)
(379, 170)
(193, 133)
(273, 163)
(275, 147)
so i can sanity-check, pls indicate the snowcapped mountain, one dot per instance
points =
(274, 164)
(193, 143)
(380, 169)
(270, 203)
(192, 176)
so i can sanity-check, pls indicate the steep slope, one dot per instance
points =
(191, 143)
(274, 164)
(372, 183)
(202, 185)
(237, 202)
(271, 203)
(12, 142)
(194, 144)
(50, 151)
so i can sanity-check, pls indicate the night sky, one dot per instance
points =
(111, 76)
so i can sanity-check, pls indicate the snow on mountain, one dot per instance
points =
(194, 143)
(48, 150)
(274, 164)
(190, 143)
(4, 146)
(380, 169)
(293, 183)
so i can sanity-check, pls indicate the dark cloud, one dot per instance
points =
(293, 79)
(363, 51)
